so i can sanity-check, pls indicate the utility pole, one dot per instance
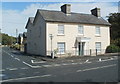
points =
(16, 36)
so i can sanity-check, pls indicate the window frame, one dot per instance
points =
(80, 29)
(97, 31)
(98, 47)
(61, 30)
(63, 48)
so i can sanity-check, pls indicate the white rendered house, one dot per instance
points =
(73, 33)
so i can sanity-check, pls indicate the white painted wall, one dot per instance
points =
(71, 32)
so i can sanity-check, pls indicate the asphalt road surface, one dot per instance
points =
(17, 67)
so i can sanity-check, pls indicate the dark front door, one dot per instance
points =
(81, 48)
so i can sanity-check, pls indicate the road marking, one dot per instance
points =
(11, 55)
(1, 75)
(111, 58)
(26, 78)
(74, 63)
(65, 64)
(87, 60)
(23, 61)
(31, 65)
(56, 65)
(27, 64)
(24, 68)
(47, 65)
(36, 66)
(17, 59)
(100, 59)
(96, 68)
(12, 69)
(2, 70)
(37, 62)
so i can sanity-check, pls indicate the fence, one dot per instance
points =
(91, 52)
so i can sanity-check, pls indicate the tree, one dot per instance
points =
(7, 40)
(114, 20)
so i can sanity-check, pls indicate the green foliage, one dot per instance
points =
(15, 46)
(114, 19)
(116, 42)
(56, 51)
(7, 40)
(112, 49)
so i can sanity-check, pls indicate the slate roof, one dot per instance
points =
(58, 16)
(31, 19)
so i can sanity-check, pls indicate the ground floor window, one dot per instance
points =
(61, 47)
(98, 46)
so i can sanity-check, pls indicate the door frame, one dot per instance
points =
(81, 52)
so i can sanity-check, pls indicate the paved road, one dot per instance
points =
(17, 67)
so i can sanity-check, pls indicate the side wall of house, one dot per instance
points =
(29, 38)
(71, 32)
(39, 35)
(36, 37)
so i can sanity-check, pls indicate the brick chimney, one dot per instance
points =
(66, 8)
(96, 12)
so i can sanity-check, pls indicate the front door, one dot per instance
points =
(81, 48)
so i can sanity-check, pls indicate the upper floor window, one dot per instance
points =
(60, 29)
(97, 29)
(80, 29)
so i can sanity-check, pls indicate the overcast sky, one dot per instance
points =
(15, 14)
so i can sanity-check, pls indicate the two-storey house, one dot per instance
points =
(72, 33)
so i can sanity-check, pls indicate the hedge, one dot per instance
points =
(112, 49)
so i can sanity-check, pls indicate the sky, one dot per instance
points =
(15, 14)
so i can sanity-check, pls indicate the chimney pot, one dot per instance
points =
(66, 8)
(96, 12)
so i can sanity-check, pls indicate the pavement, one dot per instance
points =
(18, 67)
(61, 59)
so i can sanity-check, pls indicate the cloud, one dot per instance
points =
(60, 0)
(16, 19)
(106, 8)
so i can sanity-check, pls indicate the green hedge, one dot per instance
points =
(112, 49)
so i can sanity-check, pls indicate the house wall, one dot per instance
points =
(71, 32)
(36, 40)
(29, 38)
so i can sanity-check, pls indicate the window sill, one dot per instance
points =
(61, 35)
(81, 34)
(60, 53)
(97, 35)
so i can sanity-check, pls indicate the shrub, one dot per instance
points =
(15, 46)
(112, 49)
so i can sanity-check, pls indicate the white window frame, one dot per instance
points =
(61, 29)
(61, 50)
(97, 31)
(98, 46)
(80, 30)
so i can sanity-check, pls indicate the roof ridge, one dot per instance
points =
(61, 11)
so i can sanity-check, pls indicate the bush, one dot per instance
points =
(15, 46)
(112, 49)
